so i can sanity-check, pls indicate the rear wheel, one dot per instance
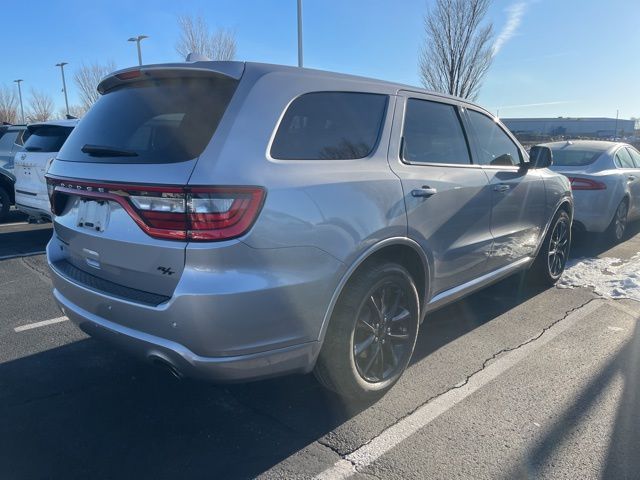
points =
(372, 333)
(5, 202)
(554, 252)
(618, 225)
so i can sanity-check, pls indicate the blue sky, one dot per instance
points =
(558, 57)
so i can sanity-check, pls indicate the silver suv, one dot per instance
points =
(234, 221)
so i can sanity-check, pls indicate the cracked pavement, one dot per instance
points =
(74, 407)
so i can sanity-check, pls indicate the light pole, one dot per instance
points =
(64, 84)
(20, 96)
(137, 40)
(299, 33)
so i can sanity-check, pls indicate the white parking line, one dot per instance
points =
(394, 435)
(44, 323)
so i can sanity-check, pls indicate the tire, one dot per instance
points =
(552, 258)
(5, 202)
(618, 226)
(371, 334)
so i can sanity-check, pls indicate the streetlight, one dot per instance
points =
(137, 40)
(299, 33)
(20, 95)
(64, 84)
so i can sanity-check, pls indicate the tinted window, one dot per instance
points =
(330, 126)
(161, 121)
(623, 159)
(7, 140)
(46, 138)
(493, 145)
(433, 134)
(575, 157)
(635, 156)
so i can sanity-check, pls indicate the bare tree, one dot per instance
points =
(8, 104)
(87, 78)
(76, 111)
(458, 48)
(40, 106)
(195, 37)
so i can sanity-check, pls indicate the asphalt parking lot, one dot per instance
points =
(512, 382)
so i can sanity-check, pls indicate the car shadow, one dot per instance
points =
(85, 409)
(622, 459)
(586, 244)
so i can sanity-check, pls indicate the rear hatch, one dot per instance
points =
(118, 185)
(41, 147)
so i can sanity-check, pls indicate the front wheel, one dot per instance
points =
(372, 333)
(552, 258)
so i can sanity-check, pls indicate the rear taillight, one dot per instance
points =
(179, 213)
(578, 183)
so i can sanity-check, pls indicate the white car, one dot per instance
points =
(31, 164)
(605, 179)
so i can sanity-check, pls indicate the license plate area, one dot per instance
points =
(93, 214)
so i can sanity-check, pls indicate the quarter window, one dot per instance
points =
(330, 126)
(635, 156)
(494, 146)
(433, 134)
(623, 159)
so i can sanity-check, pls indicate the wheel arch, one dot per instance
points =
(565, 204)
(402, 250)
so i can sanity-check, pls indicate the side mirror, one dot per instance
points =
(540, 157)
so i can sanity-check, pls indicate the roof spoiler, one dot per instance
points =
(232, 70)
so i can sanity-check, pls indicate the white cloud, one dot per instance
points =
(515, 12)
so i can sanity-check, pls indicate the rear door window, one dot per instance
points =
(46, 138)
(623, 159)
(432, 133)
(330, 126)
(493, 145)
(158, 121)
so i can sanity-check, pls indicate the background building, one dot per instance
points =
(570, 127)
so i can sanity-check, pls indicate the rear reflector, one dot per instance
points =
(178, 213)
(578, 183)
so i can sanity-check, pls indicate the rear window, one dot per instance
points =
(330, 126)
(159, 121)
(46, 138)
(575, 157)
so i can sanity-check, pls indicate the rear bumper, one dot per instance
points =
(296, 358)
(219, 324)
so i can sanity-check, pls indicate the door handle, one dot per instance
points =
(632, 178)
(423, 192)
(501, 188)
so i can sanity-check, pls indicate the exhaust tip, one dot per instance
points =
(166, 366)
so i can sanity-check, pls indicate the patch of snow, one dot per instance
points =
(608, 277)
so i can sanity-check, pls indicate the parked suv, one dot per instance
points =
(11, 140)
(45, 139)
(235, 221)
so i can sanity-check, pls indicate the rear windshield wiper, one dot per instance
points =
(102, 151)
(33, 149)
